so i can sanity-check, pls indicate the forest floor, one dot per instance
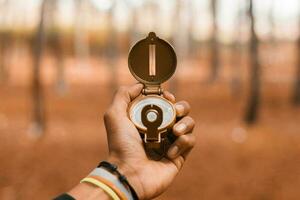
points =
(231, 160)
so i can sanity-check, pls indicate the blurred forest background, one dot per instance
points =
(238, 66)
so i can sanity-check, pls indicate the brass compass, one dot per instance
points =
(152, 61)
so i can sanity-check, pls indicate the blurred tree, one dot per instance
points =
(133, 31)
(38, 126)
(296, 96)
(214, 43)
(254, 96)
(57, 46)
(3, 45)
(80, 32)
(61, 86)
(112, 51)
(237, 54)
(177, 39)
(181, 27)
(271, 19)
(54, 41)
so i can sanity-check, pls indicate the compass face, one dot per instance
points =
(167, 109)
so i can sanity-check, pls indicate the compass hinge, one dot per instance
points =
(152, 90)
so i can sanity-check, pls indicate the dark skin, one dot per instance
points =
(127, 151)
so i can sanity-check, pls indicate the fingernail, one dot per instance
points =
(180, 127)
(179, 108)
(173, 151)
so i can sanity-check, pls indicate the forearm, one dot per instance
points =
(88, 191)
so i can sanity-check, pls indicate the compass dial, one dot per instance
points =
(167, 108)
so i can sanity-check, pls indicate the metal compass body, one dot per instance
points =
(152, 61)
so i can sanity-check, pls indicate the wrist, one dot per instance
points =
(131, 174)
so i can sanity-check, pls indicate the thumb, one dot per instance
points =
(125, 95)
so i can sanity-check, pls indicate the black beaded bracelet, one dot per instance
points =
(114, 169)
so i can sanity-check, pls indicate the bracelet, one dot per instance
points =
(112, 186)
(101, 185)
(107, 176)
(114, 169)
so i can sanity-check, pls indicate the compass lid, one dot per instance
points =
(152, 60)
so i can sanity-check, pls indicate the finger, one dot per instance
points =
(183, 126)
(183, 144)
(179, 160)
(182, 108)
(168, 95)
(125, 95)
(186, 153)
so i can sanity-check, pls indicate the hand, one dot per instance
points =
(149, 178)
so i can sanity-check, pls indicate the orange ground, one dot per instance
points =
(230, 161)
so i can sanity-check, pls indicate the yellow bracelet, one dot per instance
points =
(120, 194)
(101, 185)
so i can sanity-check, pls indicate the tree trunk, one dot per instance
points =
(54, 41)
(3, 42)
(134, 35)
(254, 96)
(271, 19)
(2, 58)
(178, 42)
(236, 83)
(61, 86)
(112, 50)
(296, 96)
(82, 50)
(236, 55)
(37, 93)
(214, 44)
